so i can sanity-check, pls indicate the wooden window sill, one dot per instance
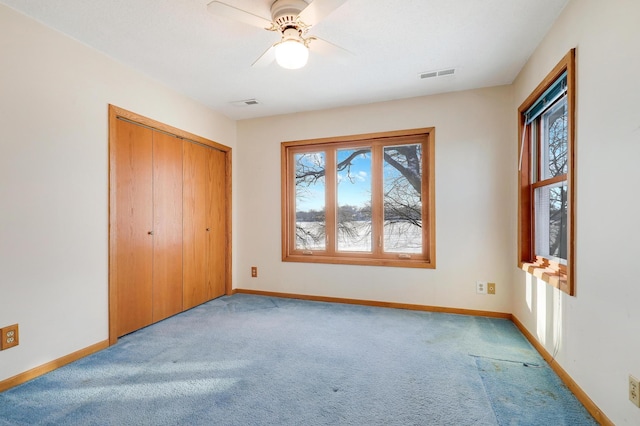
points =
(363, 260)
(548, 271)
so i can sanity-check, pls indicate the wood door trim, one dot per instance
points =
(156, 125)
(114, 114)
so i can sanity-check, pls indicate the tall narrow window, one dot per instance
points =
(310, 201)
(547, 162)
(353, 206)
(366, 199)
(402, 180)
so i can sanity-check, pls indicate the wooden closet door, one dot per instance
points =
(195, 235)
(216, 223)
(204, 232)
(167, 228)
(134, 223)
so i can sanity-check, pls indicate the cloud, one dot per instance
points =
(353, 177)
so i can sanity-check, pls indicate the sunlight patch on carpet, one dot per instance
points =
(134, 391)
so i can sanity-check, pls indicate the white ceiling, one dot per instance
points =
(208, 58)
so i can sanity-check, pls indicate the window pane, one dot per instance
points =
(310, 201)
(534, 151)
(354, 199)
(551, 220)
(554, 143)
(402, 176)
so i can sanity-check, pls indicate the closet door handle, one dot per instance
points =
(150, 232)
(208, 229)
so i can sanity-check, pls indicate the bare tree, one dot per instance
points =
(402, 191)
(557, 157)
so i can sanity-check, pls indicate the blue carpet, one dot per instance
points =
(512, 385)
(252, 360)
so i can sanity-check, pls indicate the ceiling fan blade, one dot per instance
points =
(323, 47)
(266, 58)
(318, 9)
(219, 8)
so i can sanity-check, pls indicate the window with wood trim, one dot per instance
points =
(546, 199)
(365, 199)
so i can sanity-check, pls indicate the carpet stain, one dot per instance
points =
(547, 393)
(515, 388)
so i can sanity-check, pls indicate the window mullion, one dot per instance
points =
(549, 181)
(331, 201)
(377, 200)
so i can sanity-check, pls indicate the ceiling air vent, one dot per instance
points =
(429, 74)
(246, 102)
(450, 71)
(439, 73)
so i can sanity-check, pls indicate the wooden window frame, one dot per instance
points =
(556, 274)
(426, 259)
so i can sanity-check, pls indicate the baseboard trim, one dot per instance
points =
(52, 365)
(581, 395)
(375, 303)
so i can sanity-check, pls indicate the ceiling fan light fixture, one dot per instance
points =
(291, 54)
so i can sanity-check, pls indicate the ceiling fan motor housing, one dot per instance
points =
(285, 13)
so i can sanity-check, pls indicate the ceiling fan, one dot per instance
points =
(292, 19)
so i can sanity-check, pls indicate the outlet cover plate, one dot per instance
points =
(481, 287)
(634, 390)
(10, 337)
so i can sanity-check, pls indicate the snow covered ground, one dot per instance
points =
(400, 237)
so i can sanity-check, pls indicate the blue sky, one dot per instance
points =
(354, 188)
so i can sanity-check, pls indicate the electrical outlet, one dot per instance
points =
(491, 288)
(634, 390)
(254, 271)
(481, 287)
(10, 337)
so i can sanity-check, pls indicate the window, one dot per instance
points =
(546, 178)
(366, 199)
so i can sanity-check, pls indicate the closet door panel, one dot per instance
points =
(216, 211)
(195, 238)
(134, 222)
(167, 229)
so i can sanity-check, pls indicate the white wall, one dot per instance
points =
(475, 196)
(596, 332)
(54, 94)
